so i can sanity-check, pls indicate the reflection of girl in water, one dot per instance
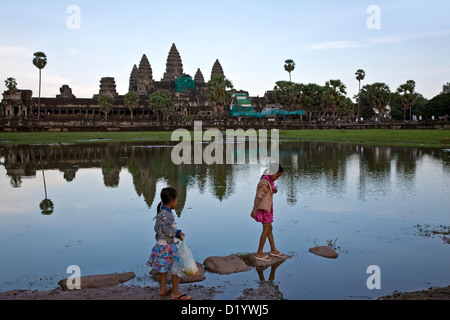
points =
(263, 210)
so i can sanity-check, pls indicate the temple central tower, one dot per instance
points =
(174, 66)
(217, 69)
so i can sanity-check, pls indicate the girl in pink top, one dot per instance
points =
(263, 210)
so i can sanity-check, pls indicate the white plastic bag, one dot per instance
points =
(185, 261)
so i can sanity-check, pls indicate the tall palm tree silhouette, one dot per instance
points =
(40, 61)
(46, 205)
(289, 67)
(360, 75)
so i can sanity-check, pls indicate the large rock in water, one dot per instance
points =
(226, 265)
(324, 251)
(251, 260)
(99, 281)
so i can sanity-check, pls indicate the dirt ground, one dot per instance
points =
(197, 292)
(440, 293)
(117, 292)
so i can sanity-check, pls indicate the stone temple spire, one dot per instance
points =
(134, 77)
(217, 69)
(145, 76)
(108, 87)
(174, 66)
(199, 77)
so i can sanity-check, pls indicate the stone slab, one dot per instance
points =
(225, 265)
(251, 260)
(324, 251)
(98, 281)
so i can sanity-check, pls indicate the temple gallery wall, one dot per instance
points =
(189, 94)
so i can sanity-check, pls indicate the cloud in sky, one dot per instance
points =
(337, 45)
(14, 51)
(377, 41)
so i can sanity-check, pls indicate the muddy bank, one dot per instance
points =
(440, 293)
(198, 292)
(117, 292)
(114, 287)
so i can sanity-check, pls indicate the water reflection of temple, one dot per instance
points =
(149, 165)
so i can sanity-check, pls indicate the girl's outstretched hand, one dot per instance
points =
(181, 236)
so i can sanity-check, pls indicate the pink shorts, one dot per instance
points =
(264, 216)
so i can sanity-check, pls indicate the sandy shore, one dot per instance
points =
(197, 292)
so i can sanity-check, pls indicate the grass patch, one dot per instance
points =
(17, 138)
(406, 137)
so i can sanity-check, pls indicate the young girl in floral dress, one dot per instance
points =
(164, 253)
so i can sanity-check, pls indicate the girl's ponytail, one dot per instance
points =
(159, 207)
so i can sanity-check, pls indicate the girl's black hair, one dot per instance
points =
(280, 169)
(167, 195)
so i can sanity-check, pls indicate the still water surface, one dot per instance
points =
(374, 205)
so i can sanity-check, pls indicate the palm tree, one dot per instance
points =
(161, 101)
(335, 95)
(446, 88)
(217, 94)
(375, 96)
(289, 67)
(360, 75)
(46, 205)
(407, 96)
(285, 95)
(40, 61)
(11, 84)
(311, 99)
(105, 103)
(299, 100)
(131, 102)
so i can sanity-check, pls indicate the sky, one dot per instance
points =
(393, 41)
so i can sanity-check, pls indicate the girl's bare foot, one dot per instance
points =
(165, 292)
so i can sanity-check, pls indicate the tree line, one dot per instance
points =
(371, 100)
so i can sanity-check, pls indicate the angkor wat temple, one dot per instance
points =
(189, 95)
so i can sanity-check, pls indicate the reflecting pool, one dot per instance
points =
(93, 206)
